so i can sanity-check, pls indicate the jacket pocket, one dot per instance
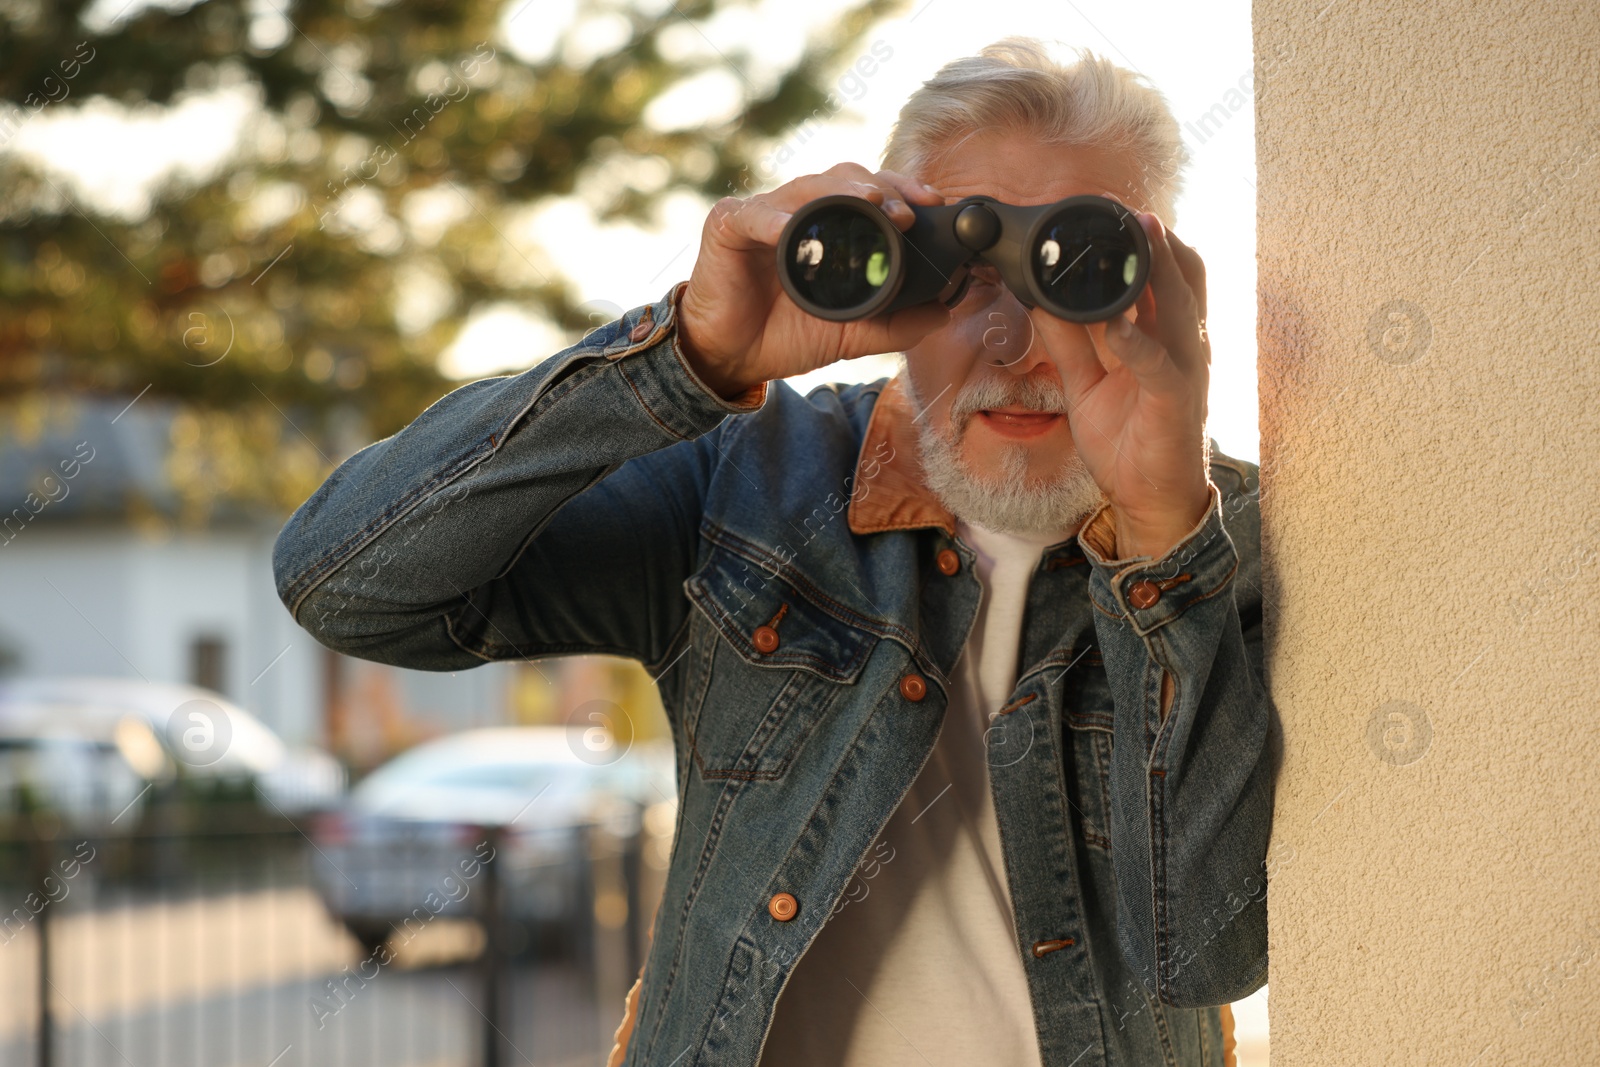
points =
(770, 656)
(1087, 715)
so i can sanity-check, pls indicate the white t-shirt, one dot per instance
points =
(921, 963)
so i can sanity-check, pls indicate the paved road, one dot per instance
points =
(241, 980)
(425, 1018)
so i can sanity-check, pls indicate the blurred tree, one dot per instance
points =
(297, 301)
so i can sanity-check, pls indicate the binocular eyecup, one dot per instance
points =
(1083, 259)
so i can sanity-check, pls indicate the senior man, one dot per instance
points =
(962, 666)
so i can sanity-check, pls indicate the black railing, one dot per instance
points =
(206, 934)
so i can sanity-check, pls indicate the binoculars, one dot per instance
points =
(1083, 259)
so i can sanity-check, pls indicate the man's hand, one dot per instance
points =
(737, 326)
(1139, 410)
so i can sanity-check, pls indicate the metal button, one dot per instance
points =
(765, 638)
(949, 562)
(913, 688)
(783, 906)
(1144, 593)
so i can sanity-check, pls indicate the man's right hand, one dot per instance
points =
(737, 326)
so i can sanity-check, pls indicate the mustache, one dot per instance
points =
(1034, 394)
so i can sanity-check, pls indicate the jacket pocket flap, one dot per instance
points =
(741, 596)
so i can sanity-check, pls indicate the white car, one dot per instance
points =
(405, 846)
(91, 748)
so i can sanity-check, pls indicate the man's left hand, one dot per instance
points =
(1138, 399)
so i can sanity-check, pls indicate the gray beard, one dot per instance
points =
(1004, 500)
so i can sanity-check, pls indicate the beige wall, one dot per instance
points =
(1429, 213)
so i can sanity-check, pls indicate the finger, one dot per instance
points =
(1145, 306)
(896, 332)
(1176, 320)
(852, 179)
(1194, 272)
(1193, 268)
(908, 184)
(903, 191)
(1078, 364)
(863, 183)
(911, 190)
(866, 184)
(892, 192)
(744, 224)
(903, 329)
(1146, 358)
(808, 187)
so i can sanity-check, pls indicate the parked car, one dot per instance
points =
(90, 748)
(409, 844)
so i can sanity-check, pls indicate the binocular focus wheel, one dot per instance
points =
(977, 227)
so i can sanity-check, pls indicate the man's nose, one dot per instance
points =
(1010, 341)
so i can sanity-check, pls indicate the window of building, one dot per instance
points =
(208, 663)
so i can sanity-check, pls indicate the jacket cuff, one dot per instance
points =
(644, 346)
(750, 400)
(1150, 592)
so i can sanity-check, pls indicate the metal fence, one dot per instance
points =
(203, 936)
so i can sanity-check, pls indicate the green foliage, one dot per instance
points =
(281, 260)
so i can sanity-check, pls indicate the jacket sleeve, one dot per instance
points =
(553, 511)
(1191, 773)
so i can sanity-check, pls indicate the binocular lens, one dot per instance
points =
(1086, 260)
(839, 258)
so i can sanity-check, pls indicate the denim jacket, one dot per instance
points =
(779, 568)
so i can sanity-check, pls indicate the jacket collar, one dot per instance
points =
(889, 492)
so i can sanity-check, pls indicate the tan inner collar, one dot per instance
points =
(888, 492)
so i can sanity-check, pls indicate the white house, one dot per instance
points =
(98, 577)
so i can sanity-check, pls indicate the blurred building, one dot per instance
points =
(106, 570)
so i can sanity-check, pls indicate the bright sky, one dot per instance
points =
(1198, 55)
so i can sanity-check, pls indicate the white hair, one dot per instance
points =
(1015, 84)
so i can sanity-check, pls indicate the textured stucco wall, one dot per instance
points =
(1429, 227)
